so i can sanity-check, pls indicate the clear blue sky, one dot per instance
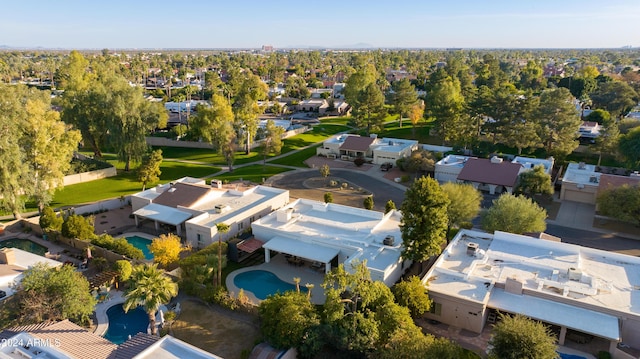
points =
(92, 24)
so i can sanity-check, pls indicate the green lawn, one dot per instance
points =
(253, 173)
(297, 159)
(124, 183)
(335, 120)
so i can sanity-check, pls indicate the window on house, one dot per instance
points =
(199, 238)
(240, 226)
(436, 308)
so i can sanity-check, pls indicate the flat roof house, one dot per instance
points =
(195, 208)
(580, 183)
(583, 293)
(332, 234)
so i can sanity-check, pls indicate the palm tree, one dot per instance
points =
(222, 228)
(150, 289)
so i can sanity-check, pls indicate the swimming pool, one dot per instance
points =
(142, 244)
(25, 245)
(570, 356)
(122, 324)
(262, 283)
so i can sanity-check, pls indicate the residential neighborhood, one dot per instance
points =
(189, 197)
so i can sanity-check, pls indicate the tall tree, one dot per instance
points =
(15, 178)
(222, 228)
(424, 219)
(245, 105)
(150, 288)
(607, 141)
(519, 337)
(369, 111)
(403, 98)
(559, 122)
(296, 87)
(272, 143)
(149, 170)
(514, 214)
(46, 142)
(416, 113)
(629, 146)
(464, 204)
(215, 125)
(532, 77)
(446, 105)
(616, 97)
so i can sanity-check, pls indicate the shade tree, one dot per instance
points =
(464, 204)
(514, 214)
(424, 219)
(518, 337)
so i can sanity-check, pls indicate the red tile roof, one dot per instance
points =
(483, 171)
(608, 181)
(75, 341)
(357, 143)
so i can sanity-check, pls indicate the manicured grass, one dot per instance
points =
(204, 155)
(254, 173)
(124, 183)
(335, 120)
(297, 159)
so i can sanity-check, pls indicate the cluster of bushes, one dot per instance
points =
(86, 165)
(198, 271)
(117, 245)
(76, 226)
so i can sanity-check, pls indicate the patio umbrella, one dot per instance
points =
(89, 253)
(161, 313)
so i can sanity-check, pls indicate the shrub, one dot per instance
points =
(328, 197)
(604, 355)
(405, 178)
(76, 226)
(359, 161)
(368, 202)
(117, 245)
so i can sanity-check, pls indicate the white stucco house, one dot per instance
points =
(374, 149)
(14, 262)
(582, 293)
(331, 234)
(195, 208)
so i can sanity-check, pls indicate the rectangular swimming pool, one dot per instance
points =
(25, 245)
(142, 244)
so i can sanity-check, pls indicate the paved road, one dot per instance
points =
(382, 190)
(598, 240)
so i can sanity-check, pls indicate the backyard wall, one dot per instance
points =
(89, 176)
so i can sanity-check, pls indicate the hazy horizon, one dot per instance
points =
(468, 24)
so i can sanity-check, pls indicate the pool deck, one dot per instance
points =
(279, 266)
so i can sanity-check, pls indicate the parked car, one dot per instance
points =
(386, 166)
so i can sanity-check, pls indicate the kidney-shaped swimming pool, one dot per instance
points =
(262, 283)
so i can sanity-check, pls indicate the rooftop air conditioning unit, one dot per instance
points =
(472, 248)
(582, 165)
(219, 208)
(389, 240)
(574, 274)
(496, 159)
(593, 179)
